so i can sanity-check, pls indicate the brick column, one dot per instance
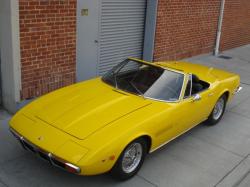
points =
(48, 45)
(185, 28)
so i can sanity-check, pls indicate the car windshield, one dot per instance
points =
(145, 80)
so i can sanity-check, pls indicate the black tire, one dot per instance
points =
(118, 172)
(212, 118)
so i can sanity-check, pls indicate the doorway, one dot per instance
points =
(107, 33)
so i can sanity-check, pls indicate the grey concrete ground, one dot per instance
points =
(205, 156)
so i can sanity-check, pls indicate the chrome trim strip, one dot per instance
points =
(38, 151)
(22, 143)
(191, 88)
(50, 159)
(78, 170)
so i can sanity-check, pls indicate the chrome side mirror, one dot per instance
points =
(196, 97)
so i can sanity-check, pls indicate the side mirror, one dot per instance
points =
(196, 97)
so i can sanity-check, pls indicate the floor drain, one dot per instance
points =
(225, 57)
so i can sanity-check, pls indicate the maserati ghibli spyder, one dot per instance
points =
(110, 123)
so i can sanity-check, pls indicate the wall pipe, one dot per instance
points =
(219, 30)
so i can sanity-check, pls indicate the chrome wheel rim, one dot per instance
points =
(218, 109)
(132, 157)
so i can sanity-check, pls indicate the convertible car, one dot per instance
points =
(110, 123)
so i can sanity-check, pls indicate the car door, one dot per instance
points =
(194, 108)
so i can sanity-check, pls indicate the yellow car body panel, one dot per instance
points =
(90, 123)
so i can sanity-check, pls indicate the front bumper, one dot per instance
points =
(53, 160)
(237, 90)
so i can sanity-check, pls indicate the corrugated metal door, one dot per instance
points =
(0, 83)
(121, 31)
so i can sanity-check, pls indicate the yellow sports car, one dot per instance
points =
(110, 123)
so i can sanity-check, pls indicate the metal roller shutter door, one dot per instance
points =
(121, 31)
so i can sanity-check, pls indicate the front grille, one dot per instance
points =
(58, 163)
(28, 146)
(36, 150)
(44, 154)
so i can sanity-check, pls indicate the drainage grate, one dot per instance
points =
(225, 57)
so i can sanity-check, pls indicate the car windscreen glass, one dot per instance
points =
(146, 80)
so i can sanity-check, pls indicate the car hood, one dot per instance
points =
(82, 109)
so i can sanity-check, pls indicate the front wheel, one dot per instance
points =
(130, 160)
(218, 111)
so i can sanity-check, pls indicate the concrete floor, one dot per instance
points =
(205, 156)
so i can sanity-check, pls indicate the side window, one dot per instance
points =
(194, 86)
(188, 90)
(197, 85)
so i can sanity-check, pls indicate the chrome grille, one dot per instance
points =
(36, 150)
(45, 155)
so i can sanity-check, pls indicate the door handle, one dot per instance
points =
(196, 97)
(96, 41)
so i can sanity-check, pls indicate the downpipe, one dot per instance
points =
(219, 30)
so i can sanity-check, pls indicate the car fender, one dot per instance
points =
(97, 163)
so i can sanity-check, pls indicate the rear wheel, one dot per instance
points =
(218, 111)
(130, 160)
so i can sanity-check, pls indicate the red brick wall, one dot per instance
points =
(185, 28)
(236, 24)
(48, 45)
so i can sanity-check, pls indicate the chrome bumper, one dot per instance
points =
(238, 90)
(45, 155)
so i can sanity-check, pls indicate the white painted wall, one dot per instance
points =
(10, 53)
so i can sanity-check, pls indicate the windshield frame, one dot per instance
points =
(154, 65)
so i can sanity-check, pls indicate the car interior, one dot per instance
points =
(195, 86)
(146, 78)
(139, 80)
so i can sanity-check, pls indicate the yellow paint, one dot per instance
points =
(90, 123)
